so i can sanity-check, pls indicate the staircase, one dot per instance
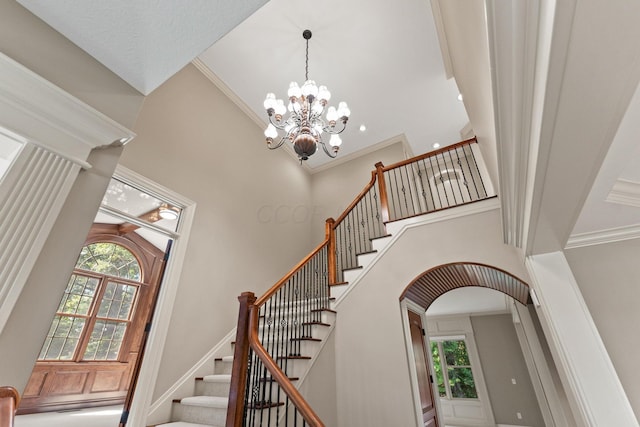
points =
(281, 333)
(208, 405)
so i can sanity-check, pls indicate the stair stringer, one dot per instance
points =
(397, 228)
(160, 409)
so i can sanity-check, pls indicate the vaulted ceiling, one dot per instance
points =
(392, 62)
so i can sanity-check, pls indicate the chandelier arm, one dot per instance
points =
(333, 130)
(278, 145)
(326, 150)
(278, 125)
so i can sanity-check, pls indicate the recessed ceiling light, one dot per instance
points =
(363, 128)
(459, 97)
(436, 145)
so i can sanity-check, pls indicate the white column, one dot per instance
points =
(58, 133)
(31, 196)
(589, 378)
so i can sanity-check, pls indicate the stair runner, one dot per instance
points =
(208, 406)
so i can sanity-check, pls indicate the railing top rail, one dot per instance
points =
(356, 200)
(260, 301)
(429, 154)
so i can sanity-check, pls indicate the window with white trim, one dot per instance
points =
(452, 368)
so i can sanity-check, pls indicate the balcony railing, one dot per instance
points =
(271, 329)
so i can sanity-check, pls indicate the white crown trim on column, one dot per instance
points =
(45, 115)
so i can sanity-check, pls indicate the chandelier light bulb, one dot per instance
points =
(343, 111)
(280, 108)
(305, 127)
(323, 94)
(271, 131)
(332, 114)
(335, 141)
(270, 101)
(294, 90)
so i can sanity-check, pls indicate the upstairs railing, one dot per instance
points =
(272, 329)
(9, 400)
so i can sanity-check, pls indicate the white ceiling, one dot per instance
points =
(143, 41)
(470, 300)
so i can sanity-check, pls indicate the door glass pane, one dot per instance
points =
(133, 202)
(62, 338)
(105, 340)
(117, 301)
(461, 383)
(110, 259)
(78, 296)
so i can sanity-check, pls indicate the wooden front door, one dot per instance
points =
(421, 359)
(95, 338)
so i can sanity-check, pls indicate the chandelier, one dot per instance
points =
(305, 125)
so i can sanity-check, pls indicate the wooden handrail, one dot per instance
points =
(280, 377)
(9, 401)
(430, 154)
(287, 276)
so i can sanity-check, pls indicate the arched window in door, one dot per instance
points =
(97, 306)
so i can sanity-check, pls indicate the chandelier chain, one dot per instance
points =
(306, 63)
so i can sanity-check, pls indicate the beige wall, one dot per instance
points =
(333, 189)
(371, 361)
(34, 44)
(608, 275)
(195, 141)
(502, 361)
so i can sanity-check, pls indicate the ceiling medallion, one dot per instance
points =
(305, 126)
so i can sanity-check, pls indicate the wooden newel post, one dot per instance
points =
(235, 410)
(9, 400)
(330, 235)
(382, 186)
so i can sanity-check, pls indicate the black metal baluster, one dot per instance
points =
(455, 171)
(465, 180)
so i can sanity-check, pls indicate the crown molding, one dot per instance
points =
(610, 235)
(625, 192)
(226, 90)
(408, 152)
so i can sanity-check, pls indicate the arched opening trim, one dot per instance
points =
(424, 289)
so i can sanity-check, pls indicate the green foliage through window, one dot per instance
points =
(453, 369)
(110, 259)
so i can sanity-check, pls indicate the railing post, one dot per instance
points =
(382, 186)
(330, 235)
(235, 410)
(9, 400)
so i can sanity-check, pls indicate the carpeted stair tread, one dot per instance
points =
(206, 401)
(217, 378)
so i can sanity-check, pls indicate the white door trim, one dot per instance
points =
(168, 291)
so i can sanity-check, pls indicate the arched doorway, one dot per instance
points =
(424, 289)
(451, 362)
